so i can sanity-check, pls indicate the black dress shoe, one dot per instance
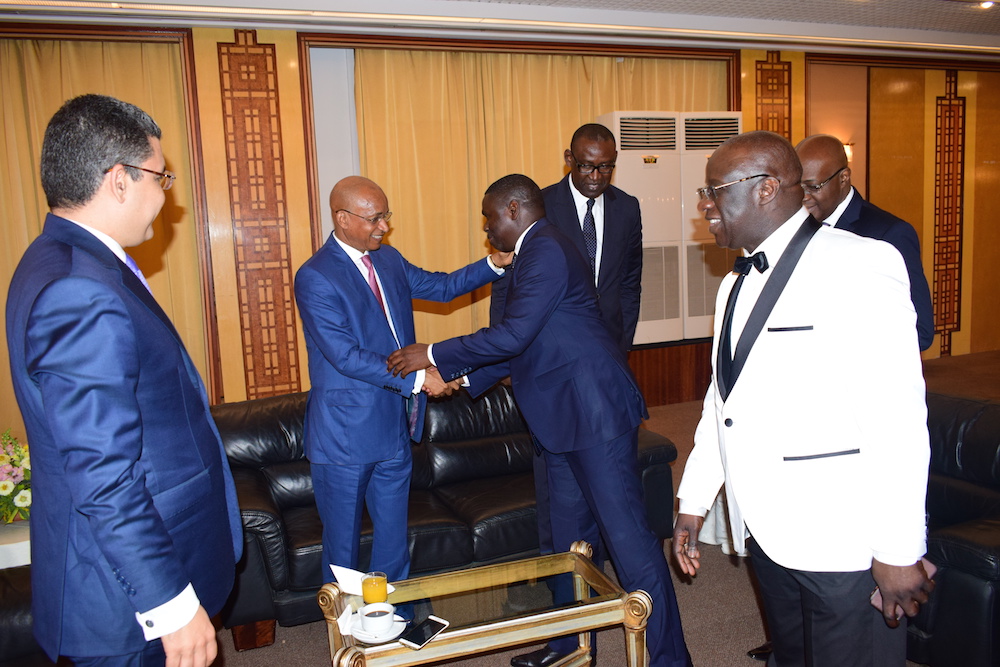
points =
(543, 657)
(761, 653)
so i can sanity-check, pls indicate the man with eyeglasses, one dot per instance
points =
(605, 225)
(831, 199)
(815, 420)
(355, 299)
(135, 528)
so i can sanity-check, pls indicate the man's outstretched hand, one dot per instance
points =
(435, 386)
(408, 359)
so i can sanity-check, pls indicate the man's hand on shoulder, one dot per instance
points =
(194, 645)
(906, 587)
(501, 260)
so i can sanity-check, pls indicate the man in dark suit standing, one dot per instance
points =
(355, 298)
(576, 392)
(605, 225)
(135, 528)
(831, 199)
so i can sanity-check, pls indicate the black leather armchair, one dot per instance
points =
(472, 500)
(960, 625)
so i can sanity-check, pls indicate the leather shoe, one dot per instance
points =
(761, 653)
(543, 657)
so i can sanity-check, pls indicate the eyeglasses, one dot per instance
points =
(711, 191)
(816, 187)
(166, 177)
(374, 220)
(605, 168)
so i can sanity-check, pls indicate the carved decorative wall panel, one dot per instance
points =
(949, 179)
(260, 222)
(774, 95)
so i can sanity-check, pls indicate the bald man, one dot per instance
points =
(831, 199)
(815, 420)
(354, 296)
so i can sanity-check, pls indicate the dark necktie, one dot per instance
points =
(590, 235)
(724, 362)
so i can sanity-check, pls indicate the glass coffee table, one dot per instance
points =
(482, 618)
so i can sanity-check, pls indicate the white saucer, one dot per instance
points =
(398, 625)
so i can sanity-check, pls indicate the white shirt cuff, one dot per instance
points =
(418, 380)
(430, 354)
(499, 270)
(691, 508)
(170, 616)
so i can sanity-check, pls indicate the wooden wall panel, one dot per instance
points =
(984, 182)
(673, 373)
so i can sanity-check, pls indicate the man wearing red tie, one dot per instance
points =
(354, 296)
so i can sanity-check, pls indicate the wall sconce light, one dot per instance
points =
(849, 149)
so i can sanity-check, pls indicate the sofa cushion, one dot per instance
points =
(291, 484)
(972, 547)
(261, 432)
(481, 458)
(965, 438)
(951, 501)
(501, 511)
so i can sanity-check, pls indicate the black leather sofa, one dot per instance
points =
(472, 500)
(960, 625)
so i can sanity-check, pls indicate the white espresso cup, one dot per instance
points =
(377, 618)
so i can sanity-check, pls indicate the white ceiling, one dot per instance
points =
(943, 28)
(935, 15)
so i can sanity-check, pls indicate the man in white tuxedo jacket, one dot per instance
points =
(815, 420)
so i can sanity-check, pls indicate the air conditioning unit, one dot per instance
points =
(661, 161)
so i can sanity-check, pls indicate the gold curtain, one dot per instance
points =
(36, 77)
(435, 128)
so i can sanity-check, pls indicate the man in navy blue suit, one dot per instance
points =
(354, 296)
(577, 395)
(605, 225)
(135, 530)
(831, 199)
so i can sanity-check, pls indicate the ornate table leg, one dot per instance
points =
(638, 607)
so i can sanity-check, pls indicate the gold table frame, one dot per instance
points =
(608, 606)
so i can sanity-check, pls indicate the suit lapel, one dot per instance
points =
(565, 217)
(69, 232)
(849, 219)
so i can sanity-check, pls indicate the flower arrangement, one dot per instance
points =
(15, 479)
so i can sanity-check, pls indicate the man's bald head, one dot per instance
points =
(360, 213)
(824, 165)
(762, 172)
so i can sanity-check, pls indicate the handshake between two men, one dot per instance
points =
(414, 358)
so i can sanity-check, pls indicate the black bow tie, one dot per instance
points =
(758, 260)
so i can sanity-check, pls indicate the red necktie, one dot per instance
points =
(372, 282)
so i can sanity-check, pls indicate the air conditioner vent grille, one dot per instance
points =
(648, 134)
(709, 133)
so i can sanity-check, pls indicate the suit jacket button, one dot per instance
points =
(728, 422)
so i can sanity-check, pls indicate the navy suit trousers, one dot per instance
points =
(608, 476)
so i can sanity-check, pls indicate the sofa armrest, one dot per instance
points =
(262, 523)
(973, 547)
(656, 453)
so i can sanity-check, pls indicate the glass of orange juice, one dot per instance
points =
(373, 587)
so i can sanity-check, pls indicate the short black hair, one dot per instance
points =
(517, 187)
(89, 135)
(592, 132)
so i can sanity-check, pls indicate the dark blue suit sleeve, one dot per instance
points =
(904, 238)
